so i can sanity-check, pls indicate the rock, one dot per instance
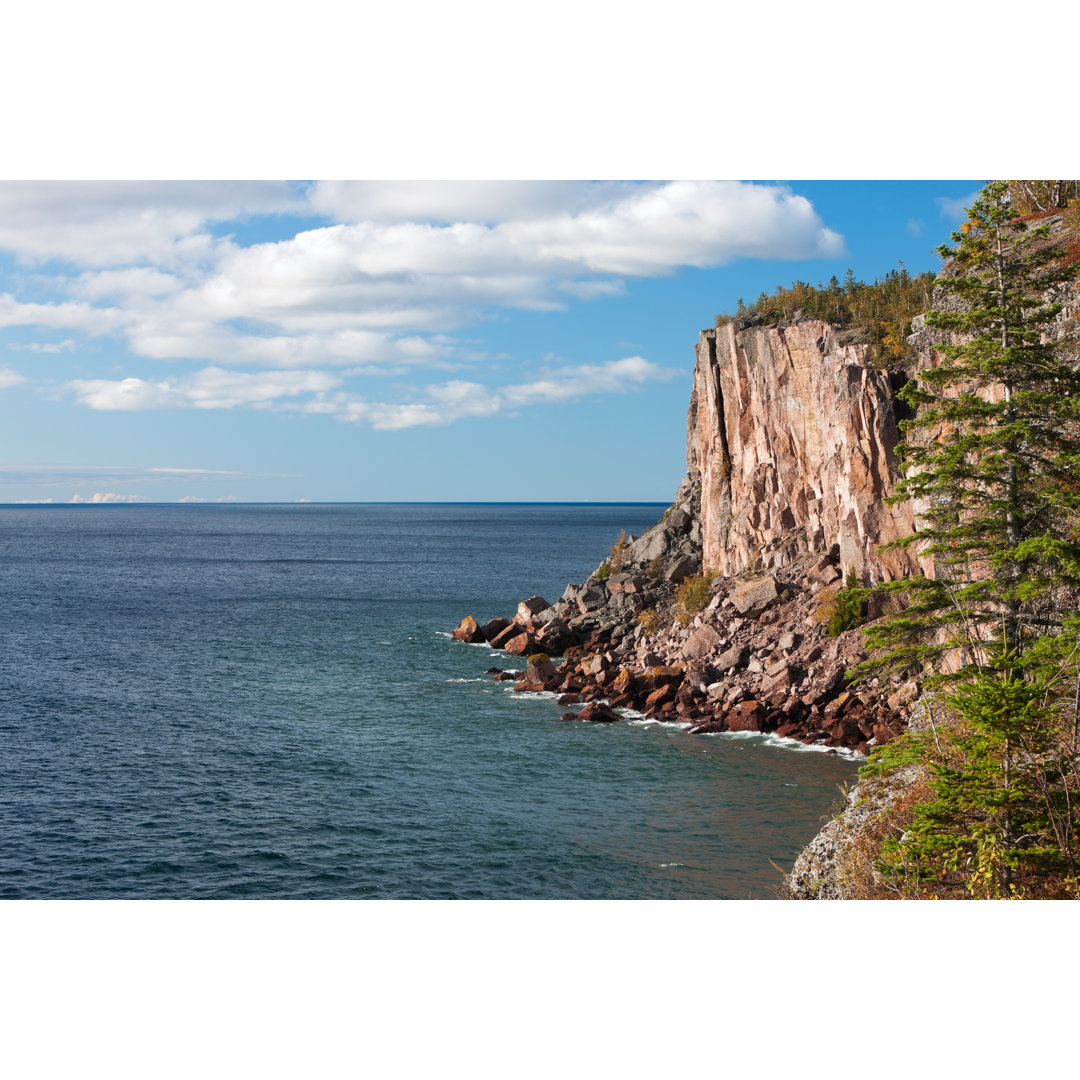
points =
(540, 669)
(597, 713)
(808, 430)
(468, 630)
(735, 657)
(493, 627)
(706, 727)
(754, 596)
(659, 697)
(746, 716)
(787, 642)
(528, 608)
(591, 599)
(701, 642)
(829, 575)
(520, 645)
(682, 568)
(500, 640)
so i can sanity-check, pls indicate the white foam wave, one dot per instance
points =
(782, 742)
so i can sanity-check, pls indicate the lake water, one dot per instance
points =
(207, 701)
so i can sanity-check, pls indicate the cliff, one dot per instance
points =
(793, 436)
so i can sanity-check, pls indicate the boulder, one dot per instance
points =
(521, 645)
(528, 608)
(735, 657)
(503, 637)
(682, 568)
(701, 642)
(597, 712)
(746, 716)
(540, 669)
(754, 597)
(468, 630)
(494, 627)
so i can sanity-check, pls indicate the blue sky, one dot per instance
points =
(395, 341)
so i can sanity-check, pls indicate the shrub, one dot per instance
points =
(618, 551)
(693, 595)
(655, 569)
(842, 609)
(603, 571)
(649, 620)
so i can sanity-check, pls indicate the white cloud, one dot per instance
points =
(43, 347)
(107, 497)
(310, 392)
(10, 378)
(211, 388)
(102, 475)
(915, 227)
(112, 224)
(453, 201)
(443, 404)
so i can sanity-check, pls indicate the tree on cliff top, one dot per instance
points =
(992, 456)
(992, 461)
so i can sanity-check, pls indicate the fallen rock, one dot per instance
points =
(540, 669)
(493, 627)
(755, 596)
(598, 713)
(701, 642)
(468, 630)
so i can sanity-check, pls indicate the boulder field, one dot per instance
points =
(756, 657)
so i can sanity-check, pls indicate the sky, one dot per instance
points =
(168, 341)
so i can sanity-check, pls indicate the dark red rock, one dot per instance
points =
(570, 699)
(468, 630)
(520, 645)
(503, 636)
(597, 713)
(493, 627)
(540, 669)
(706, 727)
(658, 698)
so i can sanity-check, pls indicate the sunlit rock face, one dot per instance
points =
(793, 438)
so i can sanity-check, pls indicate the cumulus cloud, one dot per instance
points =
(107, 497)
(399, 269)
(10, 378)
(115, 223)
(450, 201)
(211, 388)
(310, 392)
(447, 402)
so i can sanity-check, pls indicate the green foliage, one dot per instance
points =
(849, 607)
(991, 459)
(882, 311)
(1002, 820)
(603, 571)
(693, 595)
(992, 454)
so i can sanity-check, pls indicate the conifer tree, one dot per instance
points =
(992, 461)
(992, 457)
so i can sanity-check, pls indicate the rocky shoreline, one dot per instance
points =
(649, 634)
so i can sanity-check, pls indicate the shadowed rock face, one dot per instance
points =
(793, 438)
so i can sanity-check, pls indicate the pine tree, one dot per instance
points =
(992, 462)
(992, 457)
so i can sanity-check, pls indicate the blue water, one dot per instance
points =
(263, 702)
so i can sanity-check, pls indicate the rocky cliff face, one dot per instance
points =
(793, 436)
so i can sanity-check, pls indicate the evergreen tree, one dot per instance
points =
(992, 455)
(991, 461)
